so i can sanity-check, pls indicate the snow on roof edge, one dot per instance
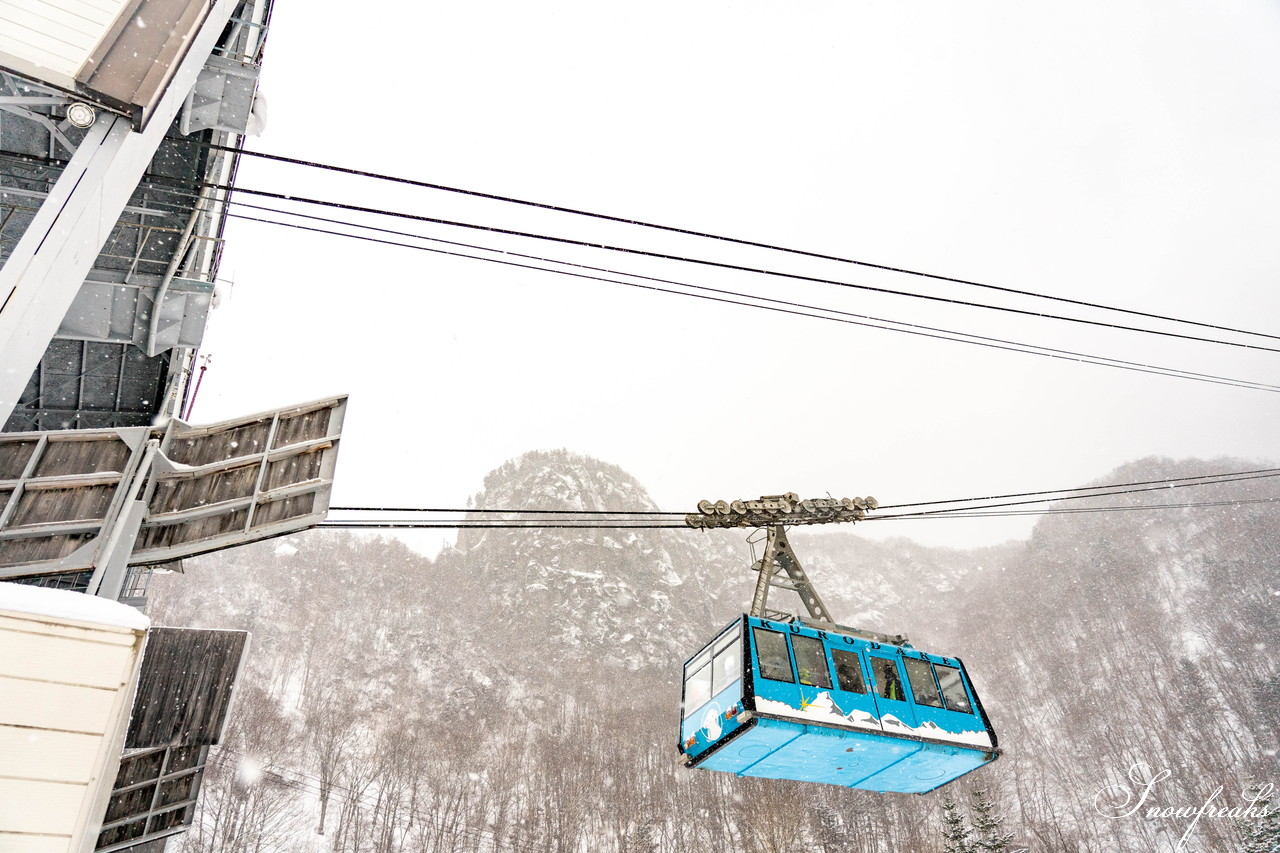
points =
(65, 605)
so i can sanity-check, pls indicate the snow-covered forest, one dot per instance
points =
(520, 691)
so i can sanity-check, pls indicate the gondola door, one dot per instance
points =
(892, 701)
(852, 696)
(813, 674)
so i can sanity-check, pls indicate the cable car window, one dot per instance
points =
(848, 671)
(920, 675)
(729, 639)
(888, 681)
(771, 649)
(811, 661)
(727, 667)
(697, 683)
(953, 689)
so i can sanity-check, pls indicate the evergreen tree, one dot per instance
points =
(986, 825)
(980, 833)
(956, 834)
(1261, 831)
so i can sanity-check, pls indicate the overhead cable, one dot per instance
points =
(506, 511)
(1163, 483)
(736, 241)
(972, 512)
(800, 309)
(1149, 315)
(496, 525)
(510, 232)
(977, 512)
(626, 519)
(871, 322)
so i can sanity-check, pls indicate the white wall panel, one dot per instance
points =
(70, 662)
(35, 754)
(47, 808)
(51, 39)
(66, 688)
(33, 844)
(55, 706)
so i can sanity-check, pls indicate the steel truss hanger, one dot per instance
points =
(779, 567)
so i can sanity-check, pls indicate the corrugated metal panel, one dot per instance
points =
(88, 454)
(154, 797)
(218, 444)
(82, 503)
(42, 548)
(202, 497)
(214, 487)
(14, 456)
(208, 487)
(68, 482)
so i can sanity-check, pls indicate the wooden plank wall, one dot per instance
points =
(186, 686)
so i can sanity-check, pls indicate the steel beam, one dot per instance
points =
(41, 278)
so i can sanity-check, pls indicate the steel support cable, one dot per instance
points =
(594, 516)
(905, 271)
(493, 229)
(973, 512)
(1095, 494)
(642, 512)
(806, 309)
(496, 525)
(977, 512)
(1018, 347)
(1167, 482)
(737, 241)
(941, 334)
(869, 322)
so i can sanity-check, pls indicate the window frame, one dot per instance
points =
(756, 632)
(822, 655)
(918, 688)
(876, 680)
(727, 646)
(857, 668)
(692, 672)
(960, 683)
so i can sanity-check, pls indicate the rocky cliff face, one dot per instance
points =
(593, 598)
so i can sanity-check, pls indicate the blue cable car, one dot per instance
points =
(786, 700)
(780, 698)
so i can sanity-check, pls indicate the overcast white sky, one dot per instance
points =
(1116, 152)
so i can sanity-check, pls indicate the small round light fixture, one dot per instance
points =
(81, 114)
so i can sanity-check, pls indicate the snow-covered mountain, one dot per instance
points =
(525, 681)
(616, 598)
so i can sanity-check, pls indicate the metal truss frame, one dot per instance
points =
(252, 478)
